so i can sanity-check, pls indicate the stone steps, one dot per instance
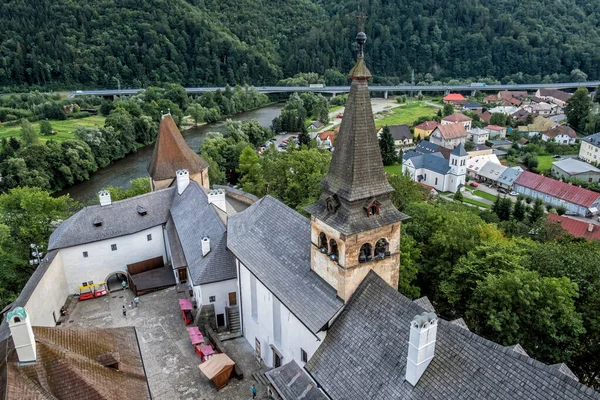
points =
(233, 319)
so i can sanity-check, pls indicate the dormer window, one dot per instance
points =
(141, 210)
(373, 208)
(332, 203)
(97, 221)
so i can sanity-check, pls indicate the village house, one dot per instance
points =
(556, 193)
(590, 148)
(504, 109)
(457, 118)
(474, 164)
(490, 172)
(491, 99)
(479, 150)
(496, 132)
(575, 227)
(449, 136)
(455, 99)
(401, 135)
(512, 94)
(315, 125)
(562, 134)
(555, 96)
(424, 129)
(436, 171)
(486, 117)
(539, 125)
(571, 169)
(326, 139)
(478, 135)
(508, 177)
(475, 107)
(543, 108)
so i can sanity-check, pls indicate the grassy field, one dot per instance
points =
(545, 163)
(395, 169)
(484, 195)
(64, 128)
(334, 108)
(406, 114)
(476, 203)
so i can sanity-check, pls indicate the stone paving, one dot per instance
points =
(169, 358)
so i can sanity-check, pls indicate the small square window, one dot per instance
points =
(84, 284)
(85, 254)
(113, 247)
(212, 299)
(90, 283)
(303, 355)
(149, 237)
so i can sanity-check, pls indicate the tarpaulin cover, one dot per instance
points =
(185, 304)
(218, 362)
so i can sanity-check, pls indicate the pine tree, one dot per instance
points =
(448, 109)
(505, 208)
(537, 212)
(458, 196)
(519, 211)
(387, 147)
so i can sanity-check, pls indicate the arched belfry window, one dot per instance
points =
(323, 242)
(366, 253)
(334, 252)
(382, 249)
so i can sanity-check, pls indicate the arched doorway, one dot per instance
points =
(114, 280)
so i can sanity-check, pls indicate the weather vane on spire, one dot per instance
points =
(361, 38)
(361, 20)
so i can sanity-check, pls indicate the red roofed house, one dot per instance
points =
(457, 118)
(326, 139)
(490, 99)
(575, 227)
(486, 117)
(496, 131)
(576, 199)
(424, 130)
(560, 134)
(449, 136)
(455, 98)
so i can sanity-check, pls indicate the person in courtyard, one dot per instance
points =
(253, 390)
(136, 301)
(124, 311)
(124, 284)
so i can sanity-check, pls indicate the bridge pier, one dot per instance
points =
(385, 94)
(473, 93)
(446, 92)
(332, 95)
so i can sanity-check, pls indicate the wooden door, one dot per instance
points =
(182, 273)
(233, 299)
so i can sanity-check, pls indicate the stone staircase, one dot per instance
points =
(233, 319)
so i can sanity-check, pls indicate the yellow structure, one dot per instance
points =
(424, 130)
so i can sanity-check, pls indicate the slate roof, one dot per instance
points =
(292, 382)
(195, 218)
(171, 153)
(451, 131)
(69, 366)
(457, 117)
(576, 227)
(491, 170)
(425, 147)
(118, 219)
(570, 193)
(472, 105)
(592, 139)
(177, 257)
(459, 151)
(273, 242)
(400, 132)
(557, 94)
(364, 357)
(433, 162)
(509, 176)
(573, 166)
(560, 130)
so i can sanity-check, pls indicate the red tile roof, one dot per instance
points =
(576, 228)
(427, 125)
(485, 117)
(490, 99)
(454, 97)
(452, 131)
(326, 135)
(495, 127)
(564, 191)
(457, 117)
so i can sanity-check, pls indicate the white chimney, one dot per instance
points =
(590, 227)
(205, 245)
(22, 334)
(217, 197)
(421, 345)
(183, 180)
(104, 196)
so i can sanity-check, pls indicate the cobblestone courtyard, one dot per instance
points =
(169, 358)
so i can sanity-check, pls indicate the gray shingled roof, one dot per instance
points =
(460, 151)
(194, 219)
(292, 383)
(425, 147)
(593, 139)
(400, 132)
(364, 357)
(433, 162)
(118, 219)
(273, 242)
(177, 257)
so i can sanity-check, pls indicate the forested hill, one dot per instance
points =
(212, 42)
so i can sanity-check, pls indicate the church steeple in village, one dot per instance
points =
(354, 226)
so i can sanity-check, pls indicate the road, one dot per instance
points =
(373, 88)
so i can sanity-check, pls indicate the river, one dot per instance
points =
(120, 172)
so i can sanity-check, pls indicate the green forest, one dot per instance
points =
(66, 43)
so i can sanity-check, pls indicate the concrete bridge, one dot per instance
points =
(333, 90)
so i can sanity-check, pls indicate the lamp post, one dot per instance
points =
(36, 254)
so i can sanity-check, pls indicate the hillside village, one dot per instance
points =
(226, 290)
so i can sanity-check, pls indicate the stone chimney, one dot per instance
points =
(590, 227)
(104, 196)
(22, 334)
(205, 245)
(217, 197)
(421, 345)
(183, 180)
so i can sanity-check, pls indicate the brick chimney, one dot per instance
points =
(183, 180)
(22, 334)
(421, 345)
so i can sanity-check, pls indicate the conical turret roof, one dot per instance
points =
(171, 153)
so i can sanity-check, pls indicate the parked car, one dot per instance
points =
(513, 193)
(340, 116)
(556, 156)
(572, 213)
(474, 184)
(502, 190)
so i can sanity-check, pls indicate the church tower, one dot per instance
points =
(354, 226)
(458, 167)
(171, 154)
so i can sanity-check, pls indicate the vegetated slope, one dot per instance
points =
(205, 42)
